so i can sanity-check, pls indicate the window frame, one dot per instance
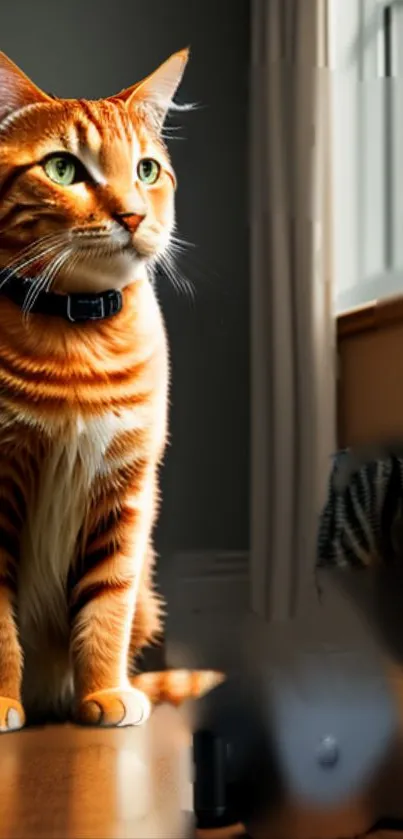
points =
(366, 136)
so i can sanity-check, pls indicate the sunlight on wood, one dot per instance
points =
(96, 784)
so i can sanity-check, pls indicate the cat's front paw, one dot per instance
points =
(114, 708)
(12, 716)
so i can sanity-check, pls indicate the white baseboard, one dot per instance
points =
(210, 581)
(208, 596)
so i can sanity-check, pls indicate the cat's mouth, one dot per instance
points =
(101, 242)
(104, 249)
(114, 243)
(98, 239)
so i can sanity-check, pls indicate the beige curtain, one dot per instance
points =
(293, 358)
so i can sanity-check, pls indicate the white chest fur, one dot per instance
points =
(55, 516)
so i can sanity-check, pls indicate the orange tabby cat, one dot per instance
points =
(86, 207)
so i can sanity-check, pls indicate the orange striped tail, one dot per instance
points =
(176, 686)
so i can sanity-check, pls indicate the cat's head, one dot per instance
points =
(86, 187)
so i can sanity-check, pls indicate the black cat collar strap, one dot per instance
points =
(75, 308)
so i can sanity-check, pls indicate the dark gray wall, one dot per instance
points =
(92, 48)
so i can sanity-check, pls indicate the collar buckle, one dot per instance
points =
(93, 307)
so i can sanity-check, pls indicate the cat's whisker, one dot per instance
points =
(74, 258)
(30, 249)
(54, 269)
(175, 248)
(170, 131)
(205, 275)
(189, 106)
(170, 137)
(180, 283)
(37, 242)
(53, 274)
(32, 296)
(173, 251)
(177, 240)
(45, 281)
(173, 127)
(17, 266)
(21, 266)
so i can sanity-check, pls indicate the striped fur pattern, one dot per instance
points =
(83, 408)
(362, 523)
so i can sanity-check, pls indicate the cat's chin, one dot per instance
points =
(101, 274)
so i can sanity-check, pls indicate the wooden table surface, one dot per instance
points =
(64, 782)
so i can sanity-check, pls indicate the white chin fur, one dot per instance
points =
(100, 274)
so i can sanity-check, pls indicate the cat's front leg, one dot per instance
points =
(103, 600)
(12, 508)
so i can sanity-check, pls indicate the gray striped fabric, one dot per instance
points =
(362, 521)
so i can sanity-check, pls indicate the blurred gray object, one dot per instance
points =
(312, 714)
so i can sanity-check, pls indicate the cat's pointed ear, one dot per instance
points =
(16, 89)
(158, 90)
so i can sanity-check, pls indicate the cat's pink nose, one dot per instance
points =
(130, 220)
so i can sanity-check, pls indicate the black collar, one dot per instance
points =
(75, 308)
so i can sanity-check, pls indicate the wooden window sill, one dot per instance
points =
(370, 317)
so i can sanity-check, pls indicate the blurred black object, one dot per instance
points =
(236, 773)
(387, 825)
(317, 729)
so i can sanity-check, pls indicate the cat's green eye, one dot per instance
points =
(62, 169)
(148, 171)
